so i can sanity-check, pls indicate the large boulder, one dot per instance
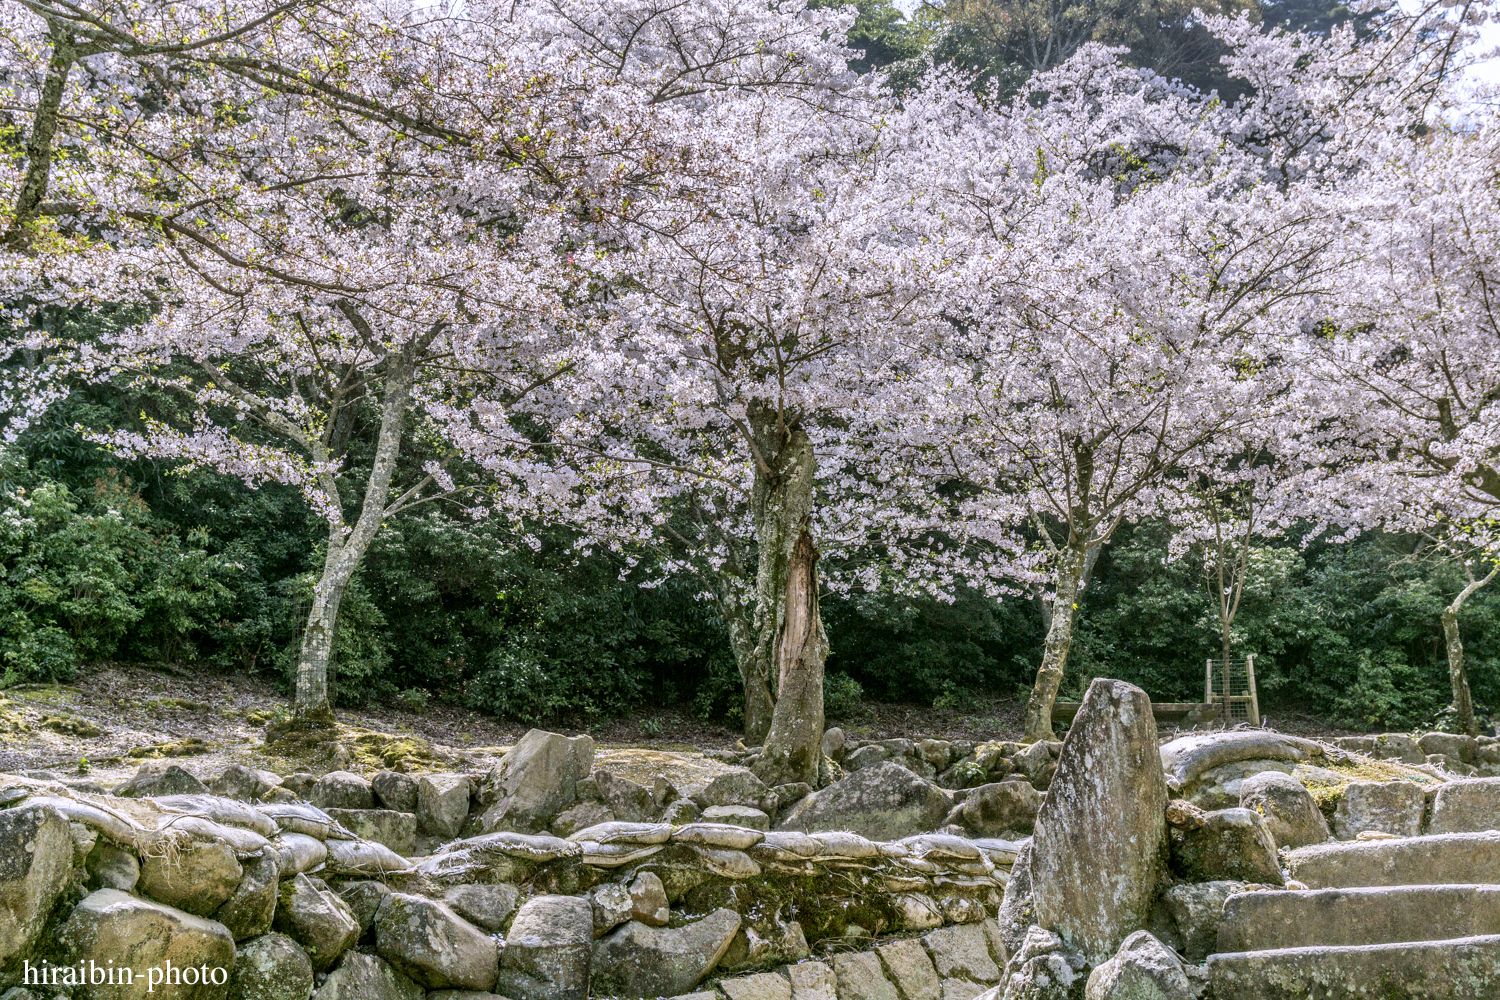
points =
(642, 961)
(1100, 848)
(433, 945)
(547, 952)
(317, 919)
(1000, 809)
(535, 781)
(366, 977)
(1231, 844)
(1470, 806)
(395, 791)
(1393, 807)
(194, 875)
(1187, 758)
(1292, 815)
(271, 967)
(156, 778)
(884, 801)
(1143, 969)
(1194, 909)
(1454, 746)
(485, 906)
(111, 928)
(739, 787)
(249, 910)
(36, 859)
(627, 800)
(240, 782)
(110, 866)
(342, 790)
(396, 830)
(443, 803)
(1041, 969)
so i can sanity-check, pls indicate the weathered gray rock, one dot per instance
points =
(961, 952)
(833, 743)
(1017, 907)
(1219, 787)
(1188, 757)
(1468, 806)
(364, 899)
(536, 781)
(908, 966)
(641, 961)
(109, 866)
(1258, 921)
(1465, 969)
(443, 803)
(1000, 808)
(789, 794)
(628, 800)
(271, 967)
(547, 952)
(1388, 746)
(1441, 859)
(680, 812)
(244, 783)
(198, 876)
(111, 928)
(1108, 800)
(739, 787)
(1393, 807)
(1291, 814)
(1454, 746)
(396, 830)
(433, 945)
(366, 977)
(156, 778)
(36, 860)
(746, 816)
(342, 790)
(1041, 969)
(395, 791)
(648, 900)
(248, 911)
(859, 977)
(812, 981)
(1195, 910)
(1231, 844)
(882, 802)
(866, 755)
(485, 906)
(760, 986)
(317, 919)
(1143, 969)
(582, 816)
(612, 905)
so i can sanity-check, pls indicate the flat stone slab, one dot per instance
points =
(1443, 859)
(1260, 921)
(1463, 969)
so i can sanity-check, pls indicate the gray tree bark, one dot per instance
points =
(1458, 675)
(781, 503)
(347, 547)
(1072, 563)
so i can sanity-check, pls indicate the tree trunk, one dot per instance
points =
(794, 747)
(43, 133)
(782, 505)
(1457, 675)
(346, 548)
(1072, 563)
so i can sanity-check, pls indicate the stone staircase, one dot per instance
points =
(1414, 918)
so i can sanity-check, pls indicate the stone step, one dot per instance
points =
(1459, 969)
(1262, 921)
(1439, 859)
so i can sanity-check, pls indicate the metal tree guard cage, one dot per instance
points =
(1230, 684)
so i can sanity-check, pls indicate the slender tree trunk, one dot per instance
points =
(1457, 675)
(793, 748)
(310, 706)
(1072, 563)
(782, 504)
(43, 131)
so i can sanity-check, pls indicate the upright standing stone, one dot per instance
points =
(535, 781)
(1100, 847)
(36, 856)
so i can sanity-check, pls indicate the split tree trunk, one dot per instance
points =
(794, 746)
(1457, 675)
(781, 502)
(1072, 564)
(347, 547)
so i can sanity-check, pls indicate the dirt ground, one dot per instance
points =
(112, 719)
